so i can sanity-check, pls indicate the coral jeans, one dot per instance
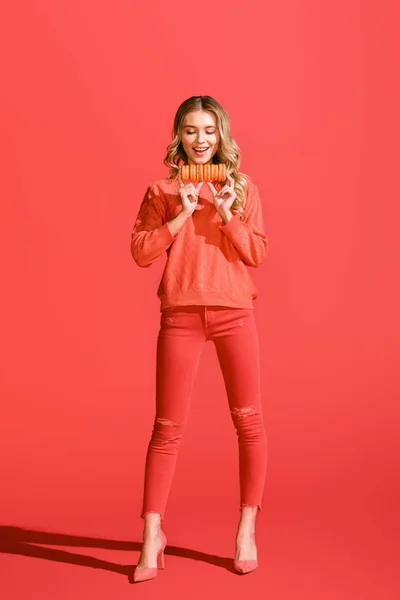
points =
(183, 333)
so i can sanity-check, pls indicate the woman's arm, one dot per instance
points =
(152, 235)
(248, 236)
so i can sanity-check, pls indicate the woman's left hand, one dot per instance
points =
(224, 198)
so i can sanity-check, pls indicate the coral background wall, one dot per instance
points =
(89, 92)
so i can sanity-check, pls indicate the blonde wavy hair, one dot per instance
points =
(228, 151)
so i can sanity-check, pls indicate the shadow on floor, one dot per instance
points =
(17, 540)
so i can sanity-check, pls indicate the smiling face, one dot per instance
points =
(200, 137)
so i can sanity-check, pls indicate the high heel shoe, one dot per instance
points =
(143, 574)
(245, 566)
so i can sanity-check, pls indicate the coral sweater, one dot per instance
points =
(207, 259)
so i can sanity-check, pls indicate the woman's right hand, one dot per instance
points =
(189, 195)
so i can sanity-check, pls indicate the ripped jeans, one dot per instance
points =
(183, 332)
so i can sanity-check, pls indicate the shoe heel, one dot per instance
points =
(161, 560)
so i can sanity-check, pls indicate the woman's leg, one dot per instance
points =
(235, 335)
(180, 343)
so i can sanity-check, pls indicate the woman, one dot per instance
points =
(211, 233)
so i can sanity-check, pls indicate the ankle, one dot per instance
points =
(246, 528)
(247, 520)
(245, 532)
(152, 525)
(247, 524)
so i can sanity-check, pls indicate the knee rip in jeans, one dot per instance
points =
(244, 412)
(169, 424)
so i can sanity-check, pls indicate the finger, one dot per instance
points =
(212, 188)
(224, 190)
(184, 197)
(183, 189)
(193, 192)
(230, 179)
(192, 196)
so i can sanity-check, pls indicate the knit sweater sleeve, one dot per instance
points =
(151, 235)
(248, 236)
